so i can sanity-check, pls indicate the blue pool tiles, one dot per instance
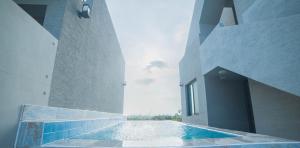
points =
(43, 124)
(39, 133)
(30, 133)
(63, 130)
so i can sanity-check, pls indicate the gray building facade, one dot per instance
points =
(50, 55)
(89, 67)
(240, 70)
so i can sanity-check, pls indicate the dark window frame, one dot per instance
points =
(191, 98)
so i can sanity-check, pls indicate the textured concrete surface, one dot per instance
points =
(263, 46)
(203, 22)
(189, 72)
(89, 66)
(27, 55)
(275, 112)
(241, 6)
(226, 102)
(54, 14)
(270, 58)
(262, 10)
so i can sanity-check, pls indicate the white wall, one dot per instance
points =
(54, 14)
(27, 55)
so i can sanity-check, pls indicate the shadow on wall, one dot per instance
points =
(228, 101)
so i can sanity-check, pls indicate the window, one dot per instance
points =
(227, 17)
(38, 12)
(192, 98)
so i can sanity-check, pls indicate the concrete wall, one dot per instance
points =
(89, 66)
(203, 22)
(54, 14)
(227, 101)
(241, 6)
(27, 55)
(264, 46)
(271, 58)
(262, 10)
(210, 16)
(189, 73)
(190, 70)
(276, 112)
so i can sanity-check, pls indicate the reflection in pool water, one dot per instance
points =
(153, 130)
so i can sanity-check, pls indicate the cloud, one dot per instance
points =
(180, 34)
(145, 81)
(156, 64)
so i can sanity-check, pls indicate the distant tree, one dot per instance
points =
(175, 117)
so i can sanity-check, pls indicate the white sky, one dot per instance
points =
(152, 35)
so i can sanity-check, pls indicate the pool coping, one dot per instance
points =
(210, 129)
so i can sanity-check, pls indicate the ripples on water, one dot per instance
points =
(152, 130)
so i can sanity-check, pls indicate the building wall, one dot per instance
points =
(27, 54)
(209, 16)
(263, 46)
(276, 112)
(54, 14)
(271, 58)
(203, 22)
(191, 70)
(262, 10)
(226, 103)
(89, 66)
(241, 6)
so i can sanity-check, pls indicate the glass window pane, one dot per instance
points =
(195, 98)
(192, 98)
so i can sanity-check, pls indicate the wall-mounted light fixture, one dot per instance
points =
(222, 74)
(180, 84)
(124, 83)
(86, 8)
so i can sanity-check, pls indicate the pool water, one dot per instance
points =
(153, 130)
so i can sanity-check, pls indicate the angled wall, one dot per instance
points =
(190, 70)
(263, 48)
(89, 66)
(54, 14)
(275, 112)
(271, 58)
(27, 54)
(228, 101)
(262, 10)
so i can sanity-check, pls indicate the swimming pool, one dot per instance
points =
(51, 127)
(169, 134)
(141, 131)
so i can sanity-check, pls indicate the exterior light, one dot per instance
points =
(180, 84)
(222, 74)
(86, 9)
